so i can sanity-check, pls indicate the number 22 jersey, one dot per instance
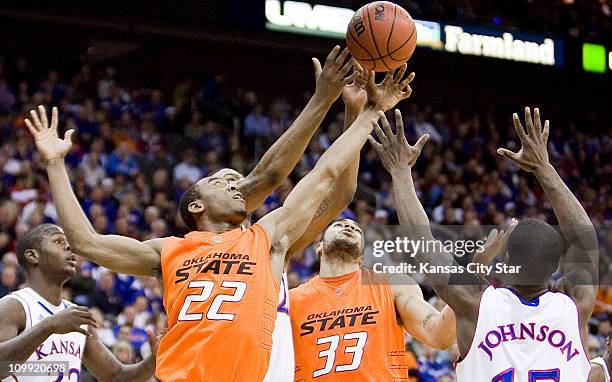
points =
(220, 297)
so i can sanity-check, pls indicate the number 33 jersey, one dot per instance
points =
(220, 297)
(345, 329)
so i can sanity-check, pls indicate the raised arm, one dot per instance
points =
(117, 253)
(398, 157)
(341, 193)
(286, 224)
(462, 291)
(430, 326)
(581, 260)
(106, 367)
(280, 159)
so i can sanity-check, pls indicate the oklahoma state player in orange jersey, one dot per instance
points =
(348, 323)
(222, 276)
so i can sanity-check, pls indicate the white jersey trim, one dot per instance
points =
(584, 349)
(599, 361)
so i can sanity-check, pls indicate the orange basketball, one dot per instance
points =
(381, 36)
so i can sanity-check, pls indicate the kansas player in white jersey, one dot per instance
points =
(58, 347)
(282, 361)
(601, 366)
(518, 340)
(523, 332)
(37, 325)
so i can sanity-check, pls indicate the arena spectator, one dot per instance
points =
(187, 168)
(8, 281)
(105, 297)
(121, 161)
(124, 352)
(431, 367)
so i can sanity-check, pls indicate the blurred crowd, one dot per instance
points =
(137, 150)
(588, 20)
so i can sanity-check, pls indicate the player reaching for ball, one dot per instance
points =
(515, 333)
(274, 167)
(36, 325)
(221, 281)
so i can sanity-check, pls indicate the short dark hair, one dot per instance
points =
(537, 246)
(32, 239)
(190, 195)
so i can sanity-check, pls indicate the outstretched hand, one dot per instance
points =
(533, 154)
(354, 94)
(331, 78)
(495, 244)
(394, 151)
(49, 144)
(393, 88)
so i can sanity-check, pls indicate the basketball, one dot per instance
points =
(381, 36)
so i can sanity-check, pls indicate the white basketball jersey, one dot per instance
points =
(520, 341)
(57, 347)
(602, 363)
(282, 362)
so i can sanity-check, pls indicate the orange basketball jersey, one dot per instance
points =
(221, 298)
(345, 329)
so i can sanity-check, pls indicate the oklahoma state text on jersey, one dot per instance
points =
(345, 329)
(221, 298)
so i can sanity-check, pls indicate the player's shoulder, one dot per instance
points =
(256, 229)
(582, 294)
(301, 291)
(399, 284)
(169, 243)
(156, 244)
(376, 278)
(12, 310)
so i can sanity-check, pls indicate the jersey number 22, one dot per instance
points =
(237, 289)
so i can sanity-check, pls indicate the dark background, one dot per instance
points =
(159, 43)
